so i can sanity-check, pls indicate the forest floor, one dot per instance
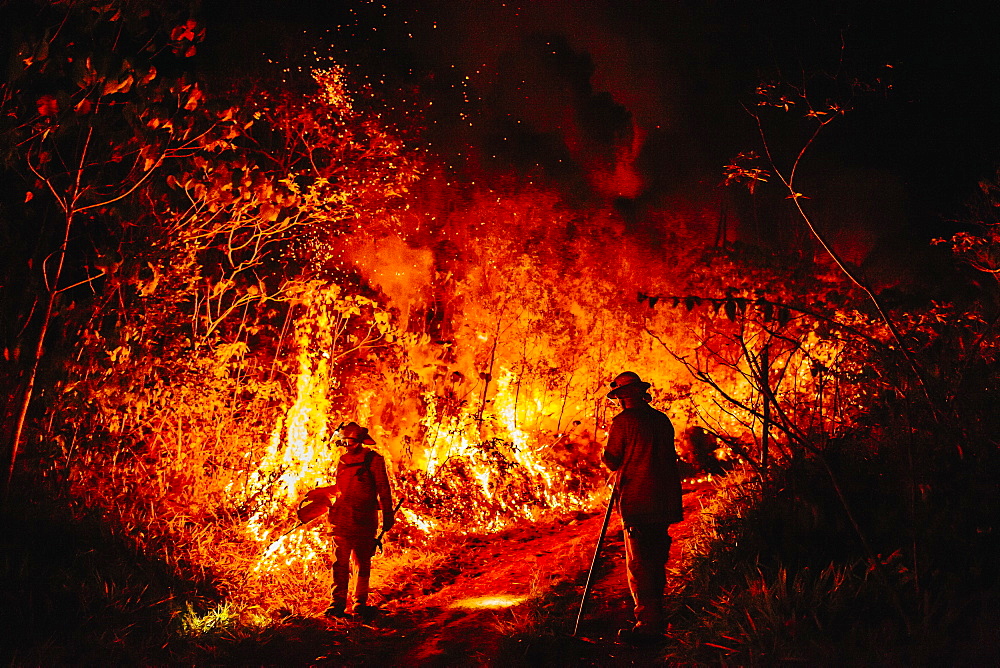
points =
(506, 599)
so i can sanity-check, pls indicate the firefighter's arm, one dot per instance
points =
(614, 451)
(384, 493)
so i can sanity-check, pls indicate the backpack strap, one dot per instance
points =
(365, 465)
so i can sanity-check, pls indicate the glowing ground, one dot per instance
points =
(525, 580)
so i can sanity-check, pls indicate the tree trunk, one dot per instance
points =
(29, 389)
(765, 388)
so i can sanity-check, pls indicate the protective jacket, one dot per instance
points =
(362, 489)
(641, 447)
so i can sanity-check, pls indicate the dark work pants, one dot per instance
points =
(351, 553)
(647, 547)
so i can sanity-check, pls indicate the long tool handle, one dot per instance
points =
(597, 552)
(378, 539)
(291, 530)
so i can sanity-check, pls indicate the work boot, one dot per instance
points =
(363, 610)
(335, 611)
(640, 634)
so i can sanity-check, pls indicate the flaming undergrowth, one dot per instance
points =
(301, 263)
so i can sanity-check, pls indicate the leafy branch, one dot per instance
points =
(787, 99)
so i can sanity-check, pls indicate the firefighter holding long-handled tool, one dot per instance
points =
(353, 502)
(640, 450)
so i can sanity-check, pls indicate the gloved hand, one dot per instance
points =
(388, 520)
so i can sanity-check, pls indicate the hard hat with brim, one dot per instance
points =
(627, 381)
(355, 432)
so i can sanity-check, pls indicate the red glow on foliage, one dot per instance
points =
(47, 106)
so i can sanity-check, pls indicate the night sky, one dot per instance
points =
(555, 90)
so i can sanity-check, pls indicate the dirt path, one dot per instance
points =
(611, 606)
(514, 583)
(470, 614)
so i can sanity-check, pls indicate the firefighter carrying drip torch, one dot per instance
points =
(360, 491)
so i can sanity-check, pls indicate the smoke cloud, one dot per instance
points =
(641, 103)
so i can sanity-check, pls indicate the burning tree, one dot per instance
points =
(81, 149)
(168, 371)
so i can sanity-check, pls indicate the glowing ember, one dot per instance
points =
(500, 601)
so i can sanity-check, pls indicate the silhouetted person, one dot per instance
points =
(703, 447)
(641, 449)
(360, 491)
